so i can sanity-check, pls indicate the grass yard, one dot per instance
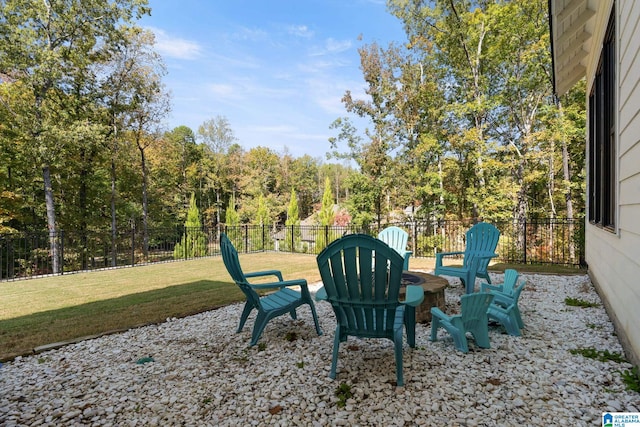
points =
(48, 310)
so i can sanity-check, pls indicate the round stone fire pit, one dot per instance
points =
(433, 292)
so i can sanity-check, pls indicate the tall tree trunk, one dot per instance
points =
(145, 205)
(566, 172)
(82, 201)
(51, 220)
(520, 214)
(114, 231)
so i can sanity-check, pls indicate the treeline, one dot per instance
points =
(463, 124)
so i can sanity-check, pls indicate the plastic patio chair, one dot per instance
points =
(397, 239)
(508, 283)
(481, 243)
(504, 308)
(284, 300)
(473, 318)
(362, 277)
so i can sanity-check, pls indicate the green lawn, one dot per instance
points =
(48, 310)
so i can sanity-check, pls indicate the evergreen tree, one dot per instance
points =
(194, 241)
(232, 224)
(263, 220)
(326, 211)
(325, 234)
(292, 224)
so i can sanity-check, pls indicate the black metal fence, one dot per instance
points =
(24, 255)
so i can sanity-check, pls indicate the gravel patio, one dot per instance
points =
(197, 371)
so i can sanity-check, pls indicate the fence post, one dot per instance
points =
(61, 252)
(326, 236)
(246, 238)
(133, 244)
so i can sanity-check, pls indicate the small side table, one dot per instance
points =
(433, 286)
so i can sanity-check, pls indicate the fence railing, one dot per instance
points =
(24, 255)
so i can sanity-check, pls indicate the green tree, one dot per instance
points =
(326, 211)
(180, 156)
(325, 217)
(292, 229)
(52, 48)
(194, 241)
(232, 224)
(218, 137)
(292, 210)
(149, 107)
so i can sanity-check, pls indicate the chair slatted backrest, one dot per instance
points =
(362, 277)
(481, 240)
(395, 237)
(474, 308)
(232, 263)
(510, 280)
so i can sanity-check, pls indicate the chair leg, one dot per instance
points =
(460, 340)
(306, 297)
(481, 335)
(258, 327)
(398, 354)
(518, 317)
(315, 317)
(469, 283)
(435, 324)
(336, 348)
(245, 314)
(508, 320)
(457, 332)
(511, 325)
(410, 325)
(293, 314)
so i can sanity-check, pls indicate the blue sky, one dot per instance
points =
(276, 69)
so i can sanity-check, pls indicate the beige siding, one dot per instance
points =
(614, 259)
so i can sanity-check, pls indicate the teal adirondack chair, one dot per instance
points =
(504, 307)
(481, 243)
(473, 318)
(362, 277)
(282, 301)
(397, 239)
(508, 283)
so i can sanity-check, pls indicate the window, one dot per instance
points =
(602, 136)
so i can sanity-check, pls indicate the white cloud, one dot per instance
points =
(336, 46)
(175, 47)
(300, 31)
(252, 34)
(222, 90)
(332, 46)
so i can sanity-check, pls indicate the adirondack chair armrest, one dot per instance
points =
(414, 295)
(281, 284)
(276, 273)
(321, 294)
(440, 255)
(502, 299)
(506, 300)
(486, 287)
(435, 311)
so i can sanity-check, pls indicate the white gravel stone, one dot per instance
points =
(203, 373)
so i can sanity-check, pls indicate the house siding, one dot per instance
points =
(614, 258)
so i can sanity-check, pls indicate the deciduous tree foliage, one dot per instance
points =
(194, 241)
(50, 49)
(462, 123)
